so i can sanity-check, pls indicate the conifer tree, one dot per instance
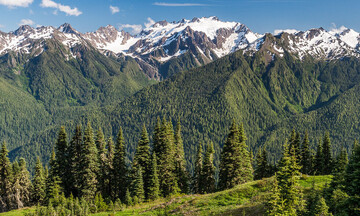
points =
(53, 188)
(319, 161)
(5, 179)
(120, 170)
(306, 160)
(197, 186)
(321, 209)
(89, 165)
(287, 175)
(137, 183)
(262, 168)
(208, 170)
(245, 171)
(352, 179)
(235, 165)
(164, 148)
(39, 183)
(74, 152)
(62, 169)
(142, 157)
(22, 186)
(275, 205)
(182, 175)
(127, 198)
(109, 169)
(326, 154)
(154, 185)
(102, 159)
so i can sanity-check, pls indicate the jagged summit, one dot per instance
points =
(205, 38)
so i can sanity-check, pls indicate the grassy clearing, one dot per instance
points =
(246, 199)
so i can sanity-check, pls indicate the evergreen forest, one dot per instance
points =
(90, 172)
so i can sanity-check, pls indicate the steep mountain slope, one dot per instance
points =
(185, 44)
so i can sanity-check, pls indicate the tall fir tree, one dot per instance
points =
(74, 152)
(120, 171)
(306, 158)
(62, 169)
(262, 167)
(352, 179)
(164, 148)
(197, 186)
(38, 183)
(137, 183)
(6, 178)
(109, 169)
(319, 160)
(275, 205)
(102, 159)
(89, 165)
(287, 176)
(53, 189)
(208, 170)
(235, 164)
(182, 175)
(245, 171)
(22, 186)
(154, 185)
(142, 157)
(326, 154)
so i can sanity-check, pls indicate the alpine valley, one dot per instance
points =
(203, 71)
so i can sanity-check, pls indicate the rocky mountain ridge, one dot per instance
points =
(205, 39)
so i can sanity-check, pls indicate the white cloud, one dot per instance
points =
(114, 9)
(289, 31)
(16, 3)
(2, 26)
(149, 23)
(63, 8)
(178, 4)
(336, 30)
(26, 22)
(135, 29)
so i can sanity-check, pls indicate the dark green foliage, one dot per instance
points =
(321, 209)
(164, 147)
(287, 176)
(119, 168)
(306, 157)
(154, 185)
(128, 200)
(327, 155)
(142, 159)
(89, 165)
(137, 183)
(38, 194)
(182, 175)
(352, 179)
(235, 164)
(74, 153)
(197, 186)
(53, 188)
(22, 186)
(319, 159)
(262, 167)
(62, 169)
(275, 205)
(208, 171)
(5, 179)
(102, 173)
(108, 171)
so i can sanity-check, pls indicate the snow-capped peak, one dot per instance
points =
(349, 36)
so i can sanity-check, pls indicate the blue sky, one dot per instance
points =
(259, 15)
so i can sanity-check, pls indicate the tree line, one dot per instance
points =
(90, 172)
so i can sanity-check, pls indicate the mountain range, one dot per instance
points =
(204, 71)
